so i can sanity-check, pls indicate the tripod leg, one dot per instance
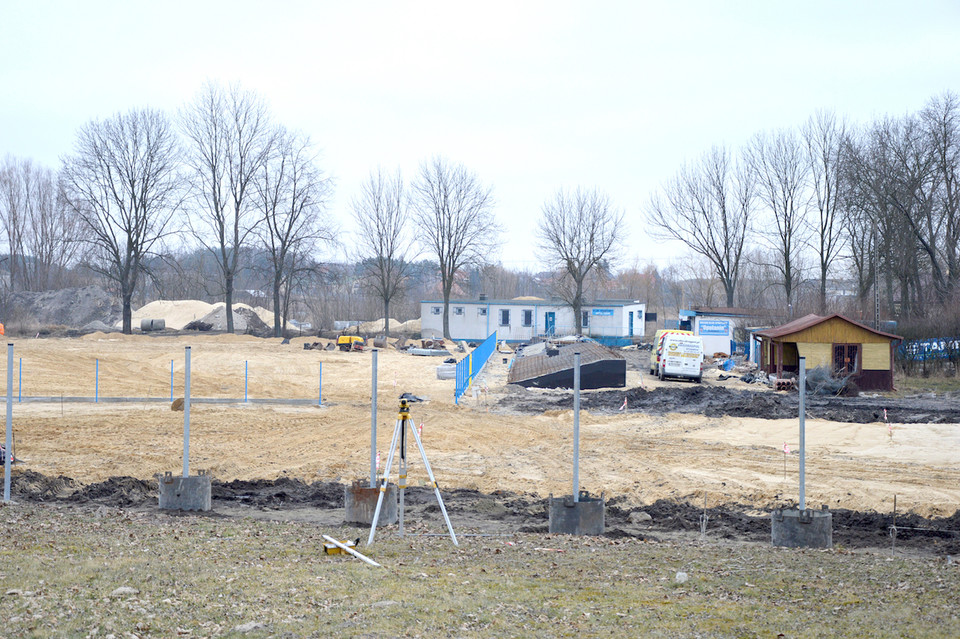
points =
(436, 489)
(384, 482)
(402, 479)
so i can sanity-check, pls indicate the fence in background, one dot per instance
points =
(471, 365)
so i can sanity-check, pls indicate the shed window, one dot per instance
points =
(436, 310)
(527, 318)
(504, 317)
(482, 311)
(458, 310)
(585, 316)
(846, 359)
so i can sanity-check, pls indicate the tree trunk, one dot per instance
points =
(277, 329)
(823, 292)
(446, 312)
(578, 308)
(386, 317)
(729, 288)
(126, 313)
(228, 281)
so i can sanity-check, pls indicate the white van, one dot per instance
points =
(681, 356)
(658, 346)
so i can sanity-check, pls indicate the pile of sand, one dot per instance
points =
(411, 327)
(175, 313)
(376, 326)
(178, 313)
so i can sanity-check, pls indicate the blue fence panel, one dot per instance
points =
(471, 365)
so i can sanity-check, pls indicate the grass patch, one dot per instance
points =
(198, 576)
(936, 383)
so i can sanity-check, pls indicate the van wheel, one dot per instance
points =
(653, 371)
(697, 379)
(661, 375)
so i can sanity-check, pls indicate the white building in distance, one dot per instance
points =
(612, 322)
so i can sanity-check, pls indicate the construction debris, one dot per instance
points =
(351, 551)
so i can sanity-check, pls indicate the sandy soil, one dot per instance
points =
(633, 454)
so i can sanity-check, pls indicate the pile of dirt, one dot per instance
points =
(715, 401)
(72, 307)
(245, 319)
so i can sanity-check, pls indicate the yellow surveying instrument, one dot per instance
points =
(400, 438)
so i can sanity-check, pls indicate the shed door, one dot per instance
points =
(846, 359)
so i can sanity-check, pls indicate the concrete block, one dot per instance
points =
(185, 493)
(793, 528)
(582, 517)
(360, 503)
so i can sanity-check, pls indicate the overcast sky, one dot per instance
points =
(531, 96)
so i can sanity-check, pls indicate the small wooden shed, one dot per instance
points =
(833, 341)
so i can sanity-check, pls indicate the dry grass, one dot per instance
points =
(199, 576)
(936, 383)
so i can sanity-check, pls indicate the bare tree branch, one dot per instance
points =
(708, 206)
(292, 194)
(229, 137)
(453, 211)
(578, 232)
(780, 170)
(383, 241)
(123, 183)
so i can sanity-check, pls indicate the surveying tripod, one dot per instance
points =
(400, 437)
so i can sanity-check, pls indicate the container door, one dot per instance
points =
(549, 322)
(630, 324)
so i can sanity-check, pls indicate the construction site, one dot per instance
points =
(281, 427)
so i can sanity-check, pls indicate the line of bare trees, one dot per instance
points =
(877, 203)
(780, 223)
(223, 176)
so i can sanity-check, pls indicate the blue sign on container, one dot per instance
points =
(603, 311)
(713, 327)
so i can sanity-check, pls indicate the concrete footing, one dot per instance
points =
(185, 493)
(793, 528)
(582, 517)
(360, 504)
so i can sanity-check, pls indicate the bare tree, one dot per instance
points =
(577, 233)
(230, 136)
(708, 207)
(122, 182)
(453, 210)
(16, 184)
(824, 135)
(42, 234)
(292, 194)
(941, 123)
(383, 243)
(779, 165)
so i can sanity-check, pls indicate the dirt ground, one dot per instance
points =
(674, 447)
